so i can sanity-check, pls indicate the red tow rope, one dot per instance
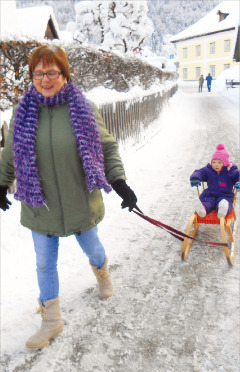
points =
(177, 234)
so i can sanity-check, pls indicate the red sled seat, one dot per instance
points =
(212, 218)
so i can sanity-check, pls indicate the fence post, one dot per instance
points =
(4, 132)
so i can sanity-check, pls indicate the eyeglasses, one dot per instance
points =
(52, 75)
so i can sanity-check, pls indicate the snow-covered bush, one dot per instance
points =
(96, 67)
(14, 70)
(121, 25)
(91, 67)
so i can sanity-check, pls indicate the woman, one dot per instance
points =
(61, 155)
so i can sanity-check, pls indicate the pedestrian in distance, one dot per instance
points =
(221, 176)
(62, 155)
(201, 81)
(209, 82)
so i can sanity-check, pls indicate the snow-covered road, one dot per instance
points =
(166, 315)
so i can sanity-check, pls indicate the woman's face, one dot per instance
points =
(48, 87)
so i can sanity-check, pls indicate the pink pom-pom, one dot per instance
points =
(220, 146)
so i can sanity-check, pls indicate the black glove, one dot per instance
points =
(4, 202)
(128, 196)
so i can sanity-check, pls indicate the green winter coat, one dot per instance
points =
(71, 208)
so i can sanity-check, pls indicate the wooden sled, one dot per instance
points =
(228, 226)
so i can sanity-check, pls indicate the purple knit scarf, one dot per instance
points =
(86, 133)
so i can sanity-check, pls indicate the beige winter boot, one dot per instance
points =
(105, 286)
(51, 324)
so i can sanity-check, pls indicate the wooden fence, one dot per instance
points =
(128, 119)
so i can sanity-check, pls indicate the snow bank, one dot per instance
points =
(101, 95)
(230, 74)
(5, 116)
(219, 85)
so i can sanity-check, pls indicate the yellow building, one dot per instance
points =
(208, 46)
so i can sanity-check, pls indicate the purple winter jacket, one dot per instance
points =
(219, 185)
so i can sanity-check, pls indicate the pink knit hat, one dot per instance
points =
(222, 154)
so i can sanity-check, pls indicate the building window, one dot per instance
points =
(184, 52)
(212, 70)
(226, 45)
(226, 66)
(198, 50)
(212, 48)
(198, 72)
(184, 73)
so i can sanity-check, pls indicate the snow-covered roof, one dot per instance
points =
(33, 21)
(210, 23)
(8, 18)
(65, 35)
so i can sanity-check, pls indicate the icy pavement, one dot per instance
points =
(166, 315)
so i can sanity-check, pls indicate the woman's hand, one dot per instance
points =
(4, 202)
(126, 193)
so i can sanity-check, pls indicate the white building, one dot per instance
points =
(208, 46)
(38, 22)
(32, 23)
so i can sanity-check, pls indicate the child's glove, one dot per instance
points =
(237, 186)
(195, 182)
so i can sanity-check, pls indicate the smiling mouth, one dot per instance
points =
(47, 87)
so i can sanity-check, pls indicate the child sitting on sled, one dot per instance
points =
(221, 175)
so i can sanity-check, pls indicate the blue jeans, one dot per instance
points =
(46, 248)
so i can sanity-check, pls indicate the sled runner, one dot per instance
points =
(228, 226)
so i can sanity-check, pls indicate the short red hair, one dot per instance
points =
(49, 54)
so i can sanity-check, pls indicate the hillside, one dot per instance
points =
(172, 16)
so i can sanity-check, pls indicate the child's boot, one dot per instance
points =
(51, 324)
(199, 208)
(105, 286)
(223, 208)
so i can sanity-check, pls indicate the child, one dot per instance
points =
(221, 175)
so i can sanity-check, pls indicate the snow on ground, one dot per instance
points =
(219, 84)
(165, 315)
